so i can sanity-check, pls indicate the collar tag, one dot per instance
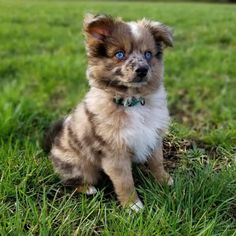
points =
(129, 102)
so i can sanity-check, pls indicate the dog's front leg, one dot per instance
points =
(155, 164)
(120, 172)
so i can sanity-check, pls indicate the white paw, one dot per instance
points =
(170, 181)
(137, 206)
(91, 190)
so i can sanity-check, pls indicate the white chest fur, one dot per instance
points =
(145, 124)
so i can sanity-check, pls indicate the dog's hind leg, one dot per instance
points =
(79, 175)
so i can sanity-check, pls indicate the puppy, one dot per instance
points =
(124, 115)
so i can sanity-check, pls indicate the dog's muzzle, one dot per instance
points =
(141, 73)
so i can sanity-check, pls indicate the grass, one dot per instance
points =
(42, 77)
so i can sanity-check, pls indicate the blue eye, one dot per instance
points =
(120, 55)
(148, 55)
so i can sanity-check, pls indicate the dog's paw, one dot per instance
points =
(91, 190)
(165, 179)
(136, 206)
(170, 181)
(87, 189)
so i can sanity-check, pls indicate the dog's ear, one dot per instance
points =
(160, 32)
(98, 27)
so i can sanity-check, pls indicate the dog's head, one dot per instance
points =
(124, 55)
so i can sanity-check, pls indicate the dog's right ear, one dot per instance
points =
(98, 27)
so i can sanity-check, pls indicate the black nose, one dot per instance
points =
(142, 71)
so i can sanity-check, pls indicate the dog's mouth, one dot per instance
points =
(134, 83)
(122, 85)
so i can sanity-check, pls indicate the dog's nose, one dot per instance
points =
(142, 71)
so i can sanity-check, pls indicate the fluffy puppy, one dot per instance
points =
(123, 116)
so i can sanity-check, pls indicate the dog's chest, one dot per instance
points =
(142, 131)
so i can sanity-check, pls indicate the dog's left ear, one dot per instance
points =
(160, 32)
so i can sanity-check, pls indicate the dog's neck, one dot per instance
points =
(121, 97)
(102, 102)
(129, 101)
(125, 92)
(120, 100)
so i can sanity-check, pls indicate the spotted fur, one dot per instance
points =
(103, 136)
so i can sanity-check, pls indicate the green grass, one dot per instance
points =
(42, 77)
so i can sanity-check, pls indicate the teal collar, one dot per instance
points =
(128, 102)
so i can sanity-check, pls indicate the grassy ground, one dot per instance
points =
(42, 77)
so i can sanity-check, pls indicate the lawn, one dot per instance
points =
(42, 77)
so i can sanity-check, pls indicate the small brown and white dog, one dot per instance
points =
(123, 116)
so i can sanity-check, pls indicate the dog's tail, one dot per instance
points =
(50, 135)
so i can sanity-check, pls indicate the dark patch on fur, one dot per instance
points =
(99, 51)
(62, 165)
(119, 72)
(109, 66)
(138, 90)
(88, 142)
(91, 117)
(159, 53)
(115, 84)
(133, 64)
(73, 141)
(73, 146)
(131, 152)
(52, 135)
(98, 153)
(73, 182)
(58, 144)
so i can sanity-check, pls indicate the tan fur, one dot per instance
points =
(155, 163)
(91, 140)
